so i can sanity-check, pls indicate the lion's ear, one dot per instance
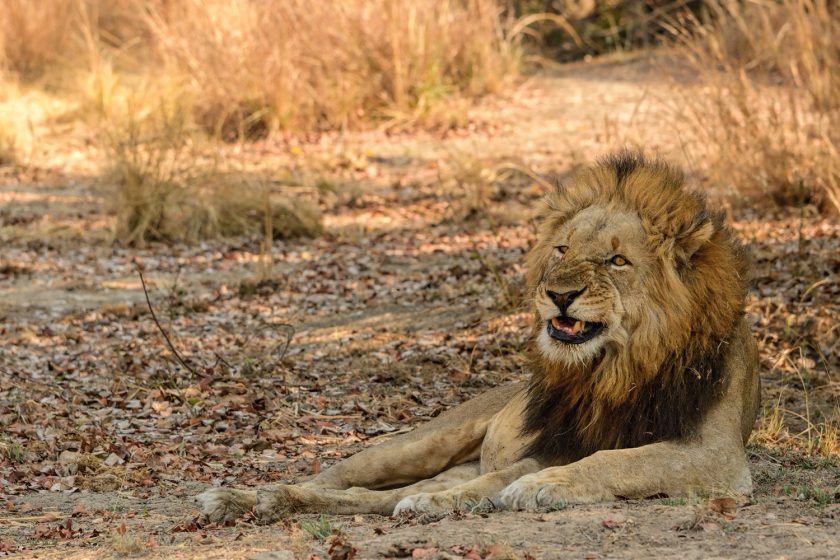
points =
(690, 242)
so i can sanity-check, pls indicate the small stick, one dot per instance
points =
(160, 328)
(46, 516)
(290, 333)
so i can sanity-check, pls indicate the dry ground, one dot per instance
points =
(407, 306)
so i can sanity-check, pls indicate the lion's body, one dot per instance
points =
(644, 373)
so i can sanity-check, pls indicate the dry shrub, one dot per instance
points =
(160, 196)
(164, 186)
(769, 122)
(302, 64)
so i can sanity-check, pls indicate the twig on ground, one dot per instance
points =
(290, 332)
(270, 359)
(159, 326)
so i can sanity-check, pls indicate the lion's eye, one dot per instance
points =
(562, 249)
(619, 260)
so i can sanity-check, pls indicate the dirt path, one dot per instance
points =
(406, 307)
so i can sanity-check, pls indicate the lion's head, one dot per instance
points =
(635, 287)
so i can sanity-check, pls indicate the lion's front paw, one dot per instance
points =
(224, 504)
(418, 503)
(426, 502)
(443, 502)
(522, 493)
(539, 491)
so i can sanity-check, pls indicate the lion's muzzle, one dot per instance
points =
(567, 328)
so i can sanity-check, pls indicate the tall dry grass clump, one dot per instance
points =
(57, 36)
(299, 64)
(250, 66)
(165, 185)
(769, 123)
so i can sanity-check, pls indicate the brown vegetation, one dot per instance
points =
(768, 124)
(269, 65)
(146, 77)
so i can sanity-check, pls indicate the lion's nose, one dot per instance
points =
(564, 300)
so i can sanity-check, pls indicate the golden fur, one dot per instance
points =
(657, 396)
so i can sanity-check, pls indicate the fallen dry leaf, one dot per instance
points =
(724, 506)
(613, 523)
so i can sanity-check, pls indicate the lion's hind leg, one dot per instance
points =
(274, 502)
(224, 504)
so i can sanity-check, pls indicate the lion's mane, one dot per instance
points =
(661, 383)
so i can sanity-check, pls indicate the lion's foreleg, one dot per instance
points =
(661, 468)
(712, 461)
(453, 438)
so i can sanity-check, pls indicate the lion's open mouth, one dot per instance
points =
(573, 331)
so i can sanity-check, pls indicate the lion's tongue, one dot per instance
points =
(567, 325)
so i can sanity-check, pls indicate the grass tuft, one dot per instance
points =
(320, 529)
(165, 185)
(126, 543)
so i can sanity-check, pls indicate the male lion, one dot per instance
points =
(643, 372)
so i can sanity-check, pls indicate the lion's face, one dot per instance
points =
(592, 283)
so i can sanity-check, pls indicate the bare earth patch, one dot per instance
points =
(408, 305)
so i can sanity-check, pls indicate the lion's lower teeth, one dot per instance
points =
(574, 328)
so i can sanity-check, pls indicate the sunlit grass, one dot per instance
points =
(767, 125)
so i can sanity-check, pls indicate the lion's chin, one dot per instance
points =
(578, 354)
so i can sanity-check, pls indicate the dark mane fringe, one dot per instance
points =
(623, 163)
(569, 425)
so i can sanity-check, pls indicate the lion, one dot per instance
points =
(644, 375)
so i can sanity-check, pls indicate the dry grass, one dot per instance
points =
(34, 35)
(769, 124)
(301, 64)
(8, 148)
(572, 29)
(248, 68)
(148, 81)
(125, 543)
(56, 39)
